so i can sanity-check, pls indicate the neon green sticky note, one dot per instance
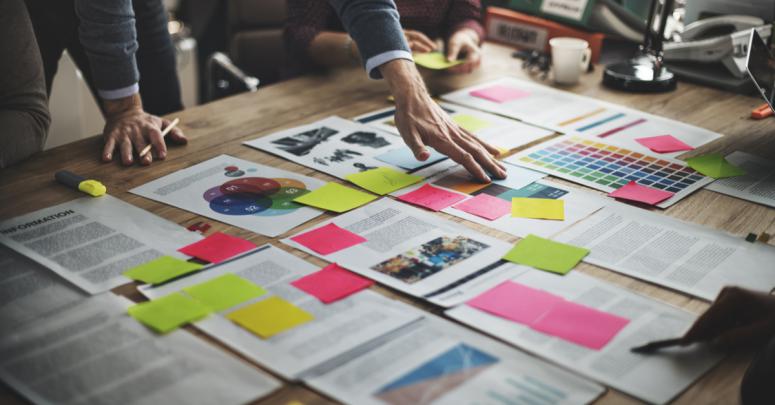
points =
(546, 254)
(161, 269)
(169, 312)
(471, 123)
(383, 180)
(714, 165)
(538, 208)
(269, 317)
(335, 197)
(434, 60)
(224, 292)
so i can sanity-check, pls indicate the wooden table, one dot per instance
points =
(220, 127)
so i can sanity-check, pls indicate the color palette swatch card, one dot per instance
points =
(516, 302)
(500, 93)
(168, 313)
(432, 198)
(383, 180)
(580, 324)
(545, 254)
(335, 197)
(485, 206)
(633, 191)
(538, 208)
(714, 165)
(664, 144)
(224, 292)
(269, 317)
(328, 239)
(161, 269)
(217, 247)
(332, 283)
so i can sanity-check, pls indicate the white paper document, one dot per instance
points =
(501, 132)
(337, 329)
(567, 113)
(655, 378)
(438, 362)
(758, 183)
(237, 192)
(340, 147)
(418, 253)
(94, 353)
(92, 241)
(686, 257)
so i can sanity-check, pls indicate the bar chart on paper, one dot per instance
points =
(607, 167)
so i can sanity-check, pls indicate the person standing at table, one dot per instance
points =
(134, 85)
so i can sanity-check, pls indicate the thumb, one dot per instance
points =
(453, 50)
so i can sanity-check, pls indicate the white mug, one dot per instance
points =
(570, 57)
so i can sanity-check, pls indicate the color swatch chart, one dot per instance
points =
(607, 167)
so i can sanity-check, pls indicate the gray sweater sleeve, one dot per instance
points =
(24, 117)
(375, 26)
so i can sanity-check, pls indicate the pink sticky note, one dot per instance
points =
(635, 192)
(664, 144)
(332, 283)
(432, 198)
(515, 302)
(499, 94)
(485, 206)
(328, 239)
(217, 247)
(580, 324)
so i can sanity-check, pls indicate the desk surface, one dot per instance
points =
(220, 127)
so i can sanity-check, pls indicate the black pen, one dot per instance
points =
(651, 347)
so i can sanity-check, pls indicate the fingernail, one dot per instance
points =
(424, 154)
(108, 156)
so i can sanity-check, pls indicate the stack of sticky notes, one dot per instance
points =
(328, 239)
(538, 208)
(335, 197)
(545, 254)
(383, 180)
(161, 270)
(332, 284)
(168, 313)
(269, 317)
(217, 247)
(434, 60)
(224, 292)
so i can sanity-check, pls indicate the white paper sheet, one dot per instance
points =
(92, 241)
(686, 257)
(418, 253)
(95, 353)
(237, 192)
(570, 113)
(757, 185)
(654, 378)
(338, 328)
(449, 364)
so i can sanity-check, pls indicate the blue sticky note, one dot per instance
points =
(404, 158)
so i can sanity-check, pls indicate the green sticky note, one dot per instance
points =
(714, 165)
(269, 317)
(335, 197)
(471, 123)
(546, 254)
(434, 60)
(224, 292)
(160, 270)
(169, 312)
(383, 180)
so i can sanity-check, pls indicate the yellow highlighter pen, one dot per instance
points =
(91, 187)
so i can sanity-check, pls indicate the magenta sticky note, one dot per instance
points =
(580, 324)
(485, 206)
(499, 94)
(332, 283)
(664, 144)
(217, 247)
(515, 302)
(432, 198)
(328, 239)
(633, 191)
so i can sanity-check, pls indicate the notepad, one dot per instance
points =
(328, 239)
(270, 317)
(499, 94)
(471, 123)
(432, 198)
(217, 247)
(633, 191)
(224, 292)
(714, 165)
(383, 180)
(168, 313)
(538, 208)
(161, 269)
(335, 197)
(515, 302)
(332, 284)
(485, 206)
(664, 144)
(434, 60)
(545, 254)
(580, 324)
(404, 158)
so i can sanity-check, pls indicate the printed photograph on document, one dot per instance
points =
(430, 258)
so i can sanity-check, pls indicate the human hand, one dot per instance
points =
(737, 318)
(419, 42)
(128, 127)
(422, 122)
(464, 42)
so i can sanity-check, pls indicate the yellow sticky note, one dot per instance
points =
(538, 208)
(471, 123)
(269, 317)
(161, 269)
(434, 60)
(335, 197)
(225, 291)
(169, 312)
(383, 180)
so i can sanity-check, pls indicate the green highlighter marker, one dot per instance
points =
(91, 187)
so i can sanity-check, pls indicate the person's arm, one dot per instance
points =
(108, 35)
(464, 34)
(24, 116)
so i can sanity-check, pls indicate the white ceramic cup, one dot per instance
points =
(570, 57)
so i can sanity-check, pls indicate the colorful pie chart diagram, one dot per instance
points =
(254, 195)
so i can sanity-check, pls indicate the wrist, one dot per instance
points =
(122, 106)
(404, 80)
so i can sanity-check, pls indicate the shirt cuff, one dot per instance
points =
(119, 93)
(378, 60)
